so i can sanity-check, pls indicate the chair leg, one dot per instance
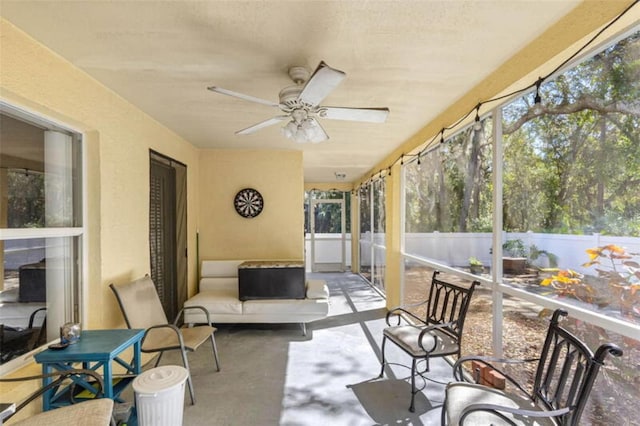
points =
(384, 341)
(215, 351)
(443, 413)
(412, 407)
(159, 357)
(186, 365)
(304, 328)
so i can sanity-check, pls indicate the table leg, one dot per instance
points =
(46, 397)
(108, 379)
(137, 368)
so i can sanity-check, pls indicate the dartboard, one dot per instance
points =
(248, 203)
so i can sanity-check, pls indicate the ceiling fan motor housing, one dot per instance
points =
(299, 75)
(289, 97)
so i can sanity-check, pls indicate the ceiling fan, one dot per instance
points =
(300, 104)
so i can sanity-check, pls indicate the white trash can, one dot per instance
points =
(159, 396)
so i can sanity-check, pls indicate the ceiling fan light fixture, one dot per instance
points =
(297, 132)
(294, 131)
(308, 130)
(309, 125)
(301, 136)
(313, 131)
(290, 129)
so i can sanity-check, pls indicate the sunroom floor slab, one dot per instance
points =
(273, 375)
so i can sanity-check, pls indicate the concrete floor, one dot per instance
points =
(273, 375)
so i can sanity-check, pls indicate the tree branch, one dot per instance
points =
(581, 104)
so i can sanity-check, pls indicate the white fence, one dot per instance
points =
(455, 249)
(328, 249)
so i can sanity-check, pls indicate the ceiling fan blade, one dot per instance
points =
(262, 125)
(371, 115)
(241, 96)
(322, 82)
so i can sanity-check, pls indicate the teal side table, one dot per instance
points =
(95, 349)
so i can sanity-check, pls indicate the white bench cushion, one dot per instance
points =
(220, 301)
(221, 283)
(285, 307)
(317, 289)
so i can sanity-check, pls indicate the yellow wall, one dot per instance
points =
(117, 137)
(393, 232)
(277, 232)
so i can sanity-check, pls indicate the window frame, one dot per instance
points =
(77, 234)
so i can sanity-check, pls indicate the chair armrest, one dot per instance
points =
(426, 331)
(487, 360)
(398, 313)
(499, 409)
(422, 326)
(170, 326)
(60, 377)
(202, 308)
(398, 310)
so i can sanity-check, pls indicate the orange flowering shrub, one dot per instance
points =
(569, 283)
(614, 266)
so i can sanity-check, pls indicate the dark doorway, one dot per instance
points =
(167, 231)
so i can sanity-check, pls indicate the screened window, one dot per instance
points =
(567, 196)
(571, 175)
(378, 193)
(366, 236)
(448, 199)
(372, 232)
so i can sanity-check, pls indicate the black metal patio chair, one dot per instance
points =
(563, 380)
(437, 335)
(15, 341)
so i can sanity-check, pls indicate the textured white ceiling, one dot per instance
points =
(414, 57)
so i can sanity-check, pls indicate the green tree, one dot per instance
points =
(25, 203)
(579, 151)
